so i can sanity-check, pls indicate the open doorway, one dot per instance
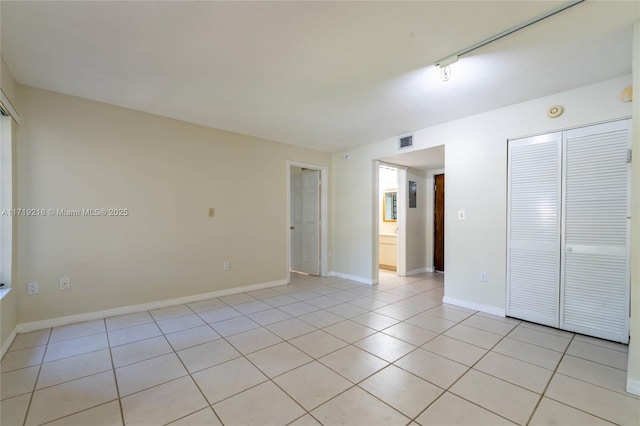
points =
(307, 218)
(416, 214)
(438, 223)
(388, 223)
(390, 218)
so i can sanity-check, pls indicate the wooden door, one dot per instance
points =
(438, 224)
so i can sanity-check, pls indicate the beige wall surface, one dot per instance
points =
(78, 154)
(416, 246)
(9, 86)
(476, 170)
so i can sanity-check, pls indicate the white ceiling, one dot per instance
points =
(424, 159)
(326, 75)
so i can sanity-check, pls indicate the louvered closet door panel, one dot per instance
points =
(595, 281)
(533, 234)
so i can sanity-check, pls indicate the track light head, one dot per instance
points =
(445, 66)
(445, 62)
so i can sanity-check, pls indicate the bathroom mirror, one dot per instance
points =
(390, 206)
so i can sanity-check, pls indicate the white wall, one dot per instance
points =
(8, 129)
(8, 297)
(74, 153)
(8, 132)
(476, 167)
(633, 371)
(416, 250)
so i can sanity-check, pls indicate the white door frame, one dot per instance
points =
(403, 200)
(324, 185)
(403, 193)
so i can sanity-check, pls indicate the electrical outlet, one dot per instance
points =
(226, 265)
(32, 288)
(65, 283)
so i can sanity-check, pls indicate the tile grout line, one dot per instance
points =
(269, 379)
(469, 368)
(313, 359)
(33, 391)
(596, 362)
(356, 385)
(491, 349)
(242, 355)
(580, 409)
(189, 374)
(113, 370)
(154, 320)
(555, 370)
(343, 319)
(618, 392)
(89, 375)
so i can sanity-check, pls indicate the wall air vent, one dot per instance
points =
(405, 142)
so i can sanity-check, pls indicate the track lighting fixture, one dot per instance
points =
(445, 63)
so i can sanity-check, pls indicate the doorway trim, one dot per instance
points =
(435, 228)
(431, 217)
(324, 232)
(403, 193)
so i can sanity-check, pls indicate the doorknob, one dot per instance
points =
(291, 227)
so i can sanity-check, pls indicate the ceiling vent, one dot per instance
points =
(405, 142)
(3, 112)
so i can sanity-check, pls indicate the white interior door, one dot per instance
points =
(533, 230)
(305, 218)
(595, 261)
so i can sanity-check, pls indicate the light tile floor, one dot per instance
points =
(318, 351)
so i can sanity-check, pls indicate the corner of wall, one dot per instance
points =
(633, 368)
(8, 319)
(9, 91)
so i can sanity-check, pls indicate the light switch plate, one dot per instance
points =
(461, 215)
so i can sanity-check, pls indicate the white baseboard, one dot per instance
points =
(351, 278)
(7, 343)
(633, 386)
(419, 271)
(56, 322)
(475, 306)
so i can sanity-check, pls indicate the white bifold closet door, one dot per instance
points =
(533, 245)
(568, 230)
(594, 296)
